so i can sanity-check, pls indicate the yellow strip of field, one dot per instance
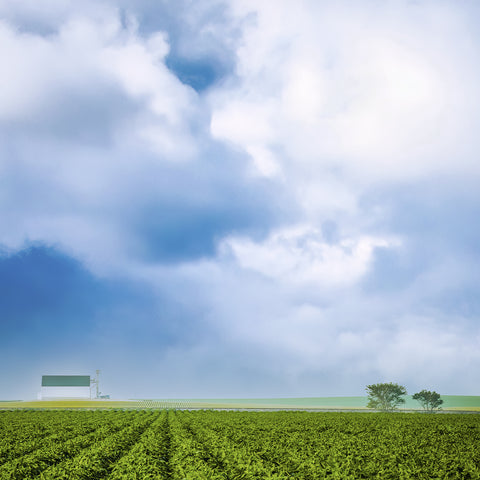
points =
(464, 409)
(69, 404)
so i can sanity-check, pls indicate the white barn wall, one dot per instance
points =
(65, 392)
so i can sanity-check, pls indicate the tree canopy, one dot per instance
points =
(430, 401)
(385, 396)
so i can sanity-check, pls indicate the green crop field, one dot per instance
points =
(210, 445)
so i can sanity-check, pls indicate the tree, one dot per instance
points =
(385, 396)
(430, 401)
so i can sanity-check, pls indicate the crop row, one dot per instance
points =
(198, 445)
(23, 433)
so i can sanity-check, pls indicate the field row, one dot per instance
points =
(181, 445)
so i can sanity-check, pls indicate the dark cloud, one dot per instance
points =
(48, 298)
(45, 293)
(194, 209)
(199, 55)
(200, 74)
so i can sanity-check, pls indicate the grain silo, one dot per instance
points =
(65, 387)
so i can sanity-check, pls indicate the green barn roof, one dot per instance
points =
(65, 380)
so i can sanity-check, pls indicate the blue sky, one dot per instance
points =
(240, 199)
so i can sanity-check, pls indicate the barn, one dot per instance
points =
(65, 387)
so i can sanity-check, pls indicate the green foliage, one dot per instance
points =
(385, 396)
(430, 401)
(199, 445)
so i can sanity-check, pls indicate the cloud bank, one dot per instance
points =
(235, 198)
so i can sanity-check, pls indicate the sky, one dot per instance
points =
(238, 198)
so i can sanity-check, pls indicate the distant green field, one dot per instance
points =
(451, 402)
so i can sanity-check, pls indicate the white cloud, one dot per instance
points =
(91, 113)
(301, 256)
(249, 124)
(87, 55)
(381, 93)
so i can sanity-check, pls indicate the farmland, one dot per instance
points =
(171, 444)
(453, 403)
